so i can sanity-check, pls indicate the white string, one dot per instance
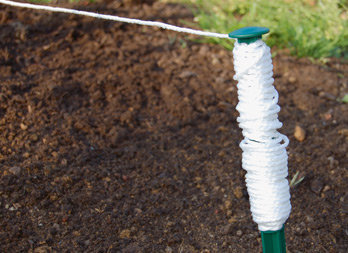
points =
(114, 18)
(264, 154)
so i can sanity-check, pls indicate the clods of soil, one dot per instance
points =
(123, 138)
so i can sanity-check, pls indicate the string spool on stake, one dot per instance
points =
(264, 148)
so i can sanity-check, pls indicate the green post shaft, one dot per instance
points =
(272, 241)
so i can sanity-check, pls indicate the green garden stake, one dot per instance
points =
(262, 141)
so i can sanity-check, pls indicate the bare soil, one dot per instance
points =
(122, 138)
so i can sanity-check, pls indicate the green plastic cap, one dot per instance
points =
(248, 34)
(273, 241)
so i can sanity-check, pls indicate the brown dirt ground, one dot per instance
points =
(121, 138)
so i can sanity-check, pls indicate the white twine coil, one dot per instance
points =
(264, 148)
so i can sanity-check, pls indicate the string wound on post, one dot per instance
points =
(264, 148)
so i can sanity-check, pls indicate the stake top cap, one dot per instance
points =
(248, 34)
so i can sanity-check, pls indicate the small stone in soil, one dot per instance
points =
(316, 185)
(186, 74)
(64, 162)
(343, 132)
(309, 219)
(228, 204)
(232, 219)
(227, 229)
(299, 133)
(23, 126)
(238, 193)
(15, 170)
(125, 234)
(326, 188)
(292, 79)
(34, 137)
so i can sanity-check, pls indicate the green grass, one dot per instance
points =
(345, 99)
(307, 28)
(296, 180)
